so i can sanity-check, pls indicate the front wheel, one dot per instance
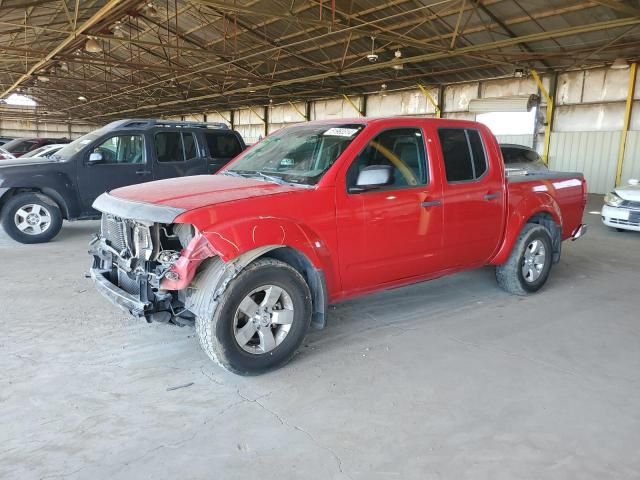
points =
(529, 264)
(31, 218)
(260, 320)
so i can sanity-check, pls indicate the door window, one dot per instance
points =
(223, 145)
(121, 149)
(463, 152)
(402, 149)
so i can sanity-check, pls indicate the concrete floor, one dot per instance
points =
(452, 379)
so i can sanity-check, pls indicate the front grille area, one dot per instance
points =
(619, 221)
(114, 231)
(630, 204)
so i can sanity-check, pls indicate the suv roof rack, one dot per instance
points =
(150, 123)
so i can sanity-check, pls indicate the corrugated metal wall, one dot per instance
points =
(593, 153)
(631, 167)
(31, 128)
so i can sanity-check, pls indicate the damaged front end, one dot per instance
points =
(145, 267)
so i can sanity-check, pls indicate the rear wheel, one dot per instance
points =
(31, 218)
(529, 264)
(260, 320)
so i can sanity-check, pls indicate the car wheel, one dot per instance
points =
(529, 264)
(260, 320)
(31, 218)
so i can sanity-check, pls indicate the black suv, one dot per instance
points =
(35, 196)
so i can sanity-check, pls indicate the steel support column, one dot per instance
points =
(633, 74)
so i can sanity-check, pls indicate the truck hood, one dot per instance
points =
(188, 193)
(26, 162)
(630, 192)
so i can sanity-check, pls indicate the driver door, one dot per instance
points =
(124, 162)
(394, 232)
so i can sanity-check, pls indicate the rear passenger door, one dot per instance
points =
(473, 198)
(223, 146)
(177, 154)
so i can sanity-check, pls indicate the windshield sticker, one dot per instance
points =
(341, 132)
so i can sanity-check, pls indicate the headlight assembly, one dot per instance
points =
(613, 200)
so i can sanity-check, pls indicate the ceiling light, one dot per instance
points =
(151, 10)
(620, 64)
(397, 53)
(82, 98)
(42, 78)
(92, 45)
(118, 30)
(398, 66)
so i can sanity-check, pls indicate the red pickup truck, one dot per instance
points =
(320, 212)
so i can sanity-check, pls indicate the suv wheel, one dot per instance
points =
(260, 320)
(31, 218)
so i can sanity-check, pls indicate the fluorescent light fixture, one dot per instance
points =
(82, 98)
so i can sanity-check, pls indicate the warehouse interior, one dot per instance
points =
(450, 378)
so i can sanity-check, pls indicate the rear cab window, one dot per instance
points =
(464, 155)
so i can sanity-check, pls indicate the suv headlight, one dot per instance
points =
(612, 199)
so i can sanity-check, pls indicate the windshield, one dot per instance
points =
(19, 145)
(37, 152)
(299, 154)
(512, 155)
(66, 152)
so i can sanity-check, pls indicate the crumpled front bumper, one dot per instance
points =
(103, 265)
(129, 303)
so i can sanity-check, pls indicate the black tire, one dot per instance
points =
(620, 230)
(217, 336)
(510, 276)
(16, 203)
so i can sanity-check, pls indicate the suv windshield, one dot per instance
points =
(299, 154)
(66, 152)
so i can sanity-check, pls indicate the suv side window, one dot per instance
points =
(463, 152)
(121, 149)
(401, 148)
(190, 146)
(223, 145)
(169, 147)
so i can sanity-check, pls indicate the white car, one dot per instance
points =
(622, 207)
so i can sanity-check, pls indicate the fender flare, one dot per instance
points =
(238, 243)
(533, 206)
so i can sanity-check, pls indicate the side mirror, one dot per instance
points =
(373, 177)
(634, 181)
(95, 157)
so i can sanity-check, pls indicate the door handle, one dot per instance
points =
(142, 172)
(491, 196)
(433, 203)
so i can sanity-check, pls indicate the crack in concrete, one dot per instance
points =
(280, 418)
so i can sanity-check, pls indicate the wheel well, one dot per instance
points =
(314, 278)
(15, 191)
(547, 221)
